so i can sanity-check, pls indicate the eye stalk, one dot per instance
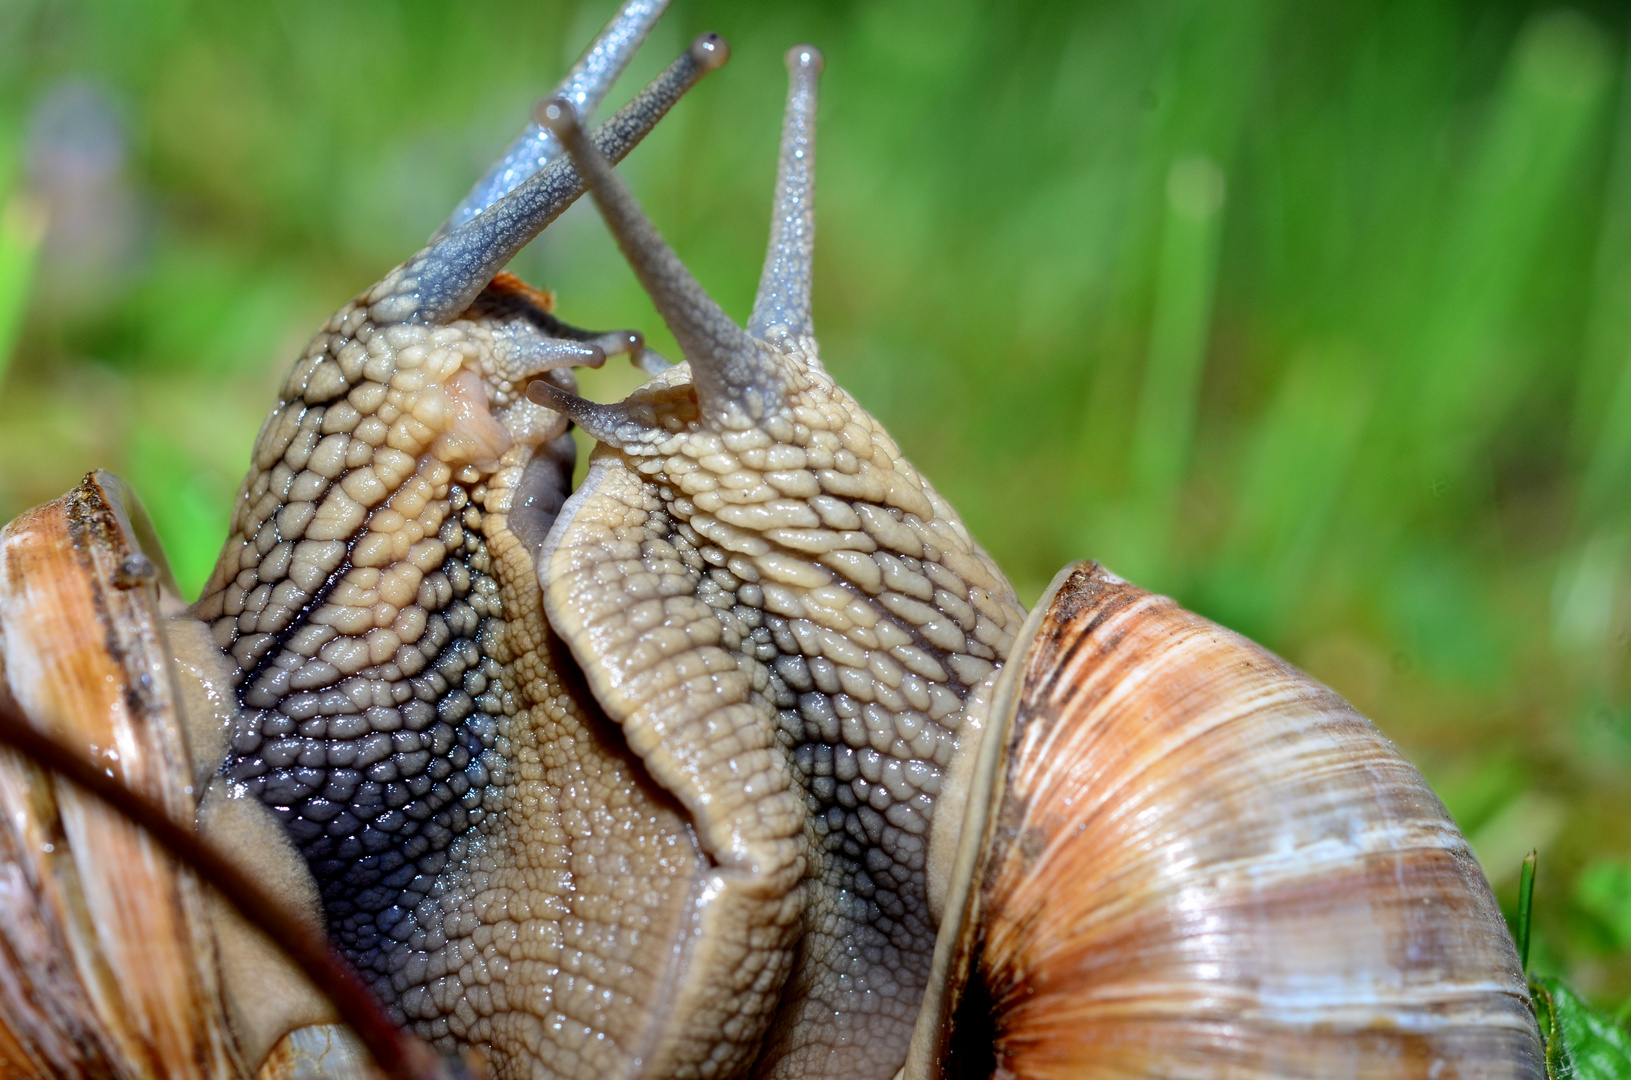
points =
(737, 381)
(584, 86)
(437, 285)
(709, 51)
(782, 307)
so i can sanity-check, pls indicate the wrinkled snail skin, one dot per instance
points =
(741, 759)
(486, 851)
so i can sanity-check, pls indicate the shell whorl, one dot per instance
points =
(1205, 863)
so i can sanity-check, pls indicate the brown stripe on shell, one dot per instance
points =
(107, 964)
(1206, 864)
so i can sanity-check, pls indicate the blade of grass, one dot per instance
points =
(1180, 331)
(1302, 450)
(1466, 375)
(1581, 1043)
(1526, 901)
(1196, 103)
(1606, 364)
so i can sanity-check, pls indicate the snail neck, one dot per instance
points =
(849, 632)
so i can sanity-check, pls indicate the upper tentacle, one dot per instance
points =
(782, 307)
(738, 380)
(584, 86)
(437, 284)
(750, 565)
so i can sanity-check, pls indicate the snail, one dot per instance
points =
(740, 759)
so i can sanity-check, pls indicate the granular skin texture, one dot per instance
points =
(489, 853)
(792, 627)
(690, 837)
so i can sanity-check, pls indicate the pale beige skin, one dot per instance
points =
(791, 625)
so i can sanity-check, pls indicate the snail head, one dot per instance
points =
(795, 632)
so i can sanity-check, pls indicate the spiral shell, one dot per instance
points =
(108, 949)
(1204, 863)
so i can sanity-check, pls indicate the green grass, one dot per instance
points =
(1316, 316)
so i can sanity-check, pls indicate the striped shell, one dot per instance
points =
(1203, 863)
(109, 964)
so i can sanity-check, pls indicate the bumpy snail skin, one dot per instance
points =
(794, 664)
(792, 628)
(487, 851)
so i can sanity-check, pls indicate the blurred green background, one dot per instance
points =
(1316, 316)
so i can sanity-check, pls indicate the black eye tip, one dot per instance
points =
(710, 51)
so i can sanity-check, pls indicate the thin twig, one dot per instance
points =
(399, 1055)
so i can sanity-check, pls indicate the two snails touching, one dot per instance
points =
(740, 759)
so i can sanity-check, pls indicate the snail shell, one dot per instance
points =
(727, 809)
(1201, 862)
(108, 955)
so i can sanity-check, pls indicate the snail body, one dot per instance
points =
(742, 758)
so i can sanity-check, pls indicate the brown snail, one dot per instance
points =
(740, 759)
